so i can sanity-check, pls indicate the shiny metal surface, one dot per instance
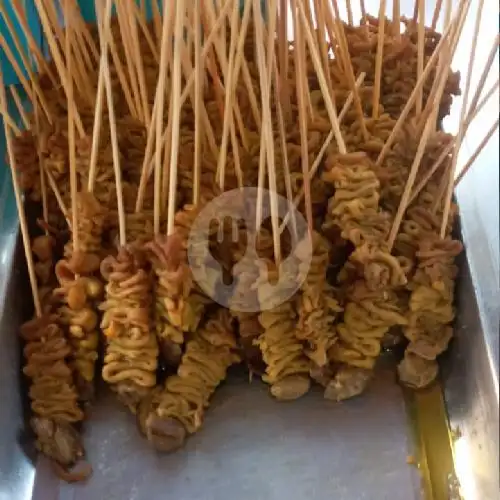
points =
(16, 470)
(252, 447)
(471, 394)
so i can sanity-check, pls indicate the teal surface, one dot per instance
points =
(8, 212)
(8, 72)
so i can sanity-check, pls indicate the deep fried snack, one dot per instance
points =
(54, 399)
(179, 408)
(431, 310)
(131, 355)
(180, 305)
(287, 366)
(91, 221)
(316, 306)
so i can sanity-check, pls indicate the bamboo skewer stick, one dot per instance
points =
(301, 48)
(396, 19)
(141, 18)
(129, 57)
(301, 89)
(79, 42)
(57, 59)
(340, 34)
(437, 13)
(19, 202)
(420, 51)
(36, 92)
(411, 101)
(157, 21)
(198, 76)
(79, 72)
(254, 107)
(176, 112)
(236, 156)
(283, 57)
(266, 114)
(105, 39)
(320, 15)
(10, 122)
(122, 77)
(428, 129)
(283, 145)
(207, 46)
(379, 60)
(96, 131)
(71, 132)
(81, 48)
(262, 158)
(320, 34)
(136, 52)
(19, 105)
(462, 12)
(332, 113)
(476, 153)
(322, 151)
(166, 42)
(332, 35)
(187, 89)
(165, 174)
(33, 46)
(447, 13)
(84, 31)
(220, 50)
(81, 56)
(363, 8)
(350, 19)
(235, 44)
(207, 126)
(59, 199)
(51, 8)
(35, 89)
(463, 119)
(43, 186)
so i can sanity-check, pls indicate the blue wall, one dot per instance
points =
(33, 22)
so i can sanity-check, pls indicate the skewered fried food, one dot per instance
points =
(131, 348)
(316, 307)
(291, 342)
(179, 303)
(78, 292)
(371, 274)
(54, 399)
(287, 366)
(431, 311)
(179, 408)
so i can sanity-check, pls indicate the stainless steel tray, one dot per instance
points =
(254, 447)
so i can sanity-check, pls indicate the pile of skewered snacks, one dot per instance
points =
(167, 344)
